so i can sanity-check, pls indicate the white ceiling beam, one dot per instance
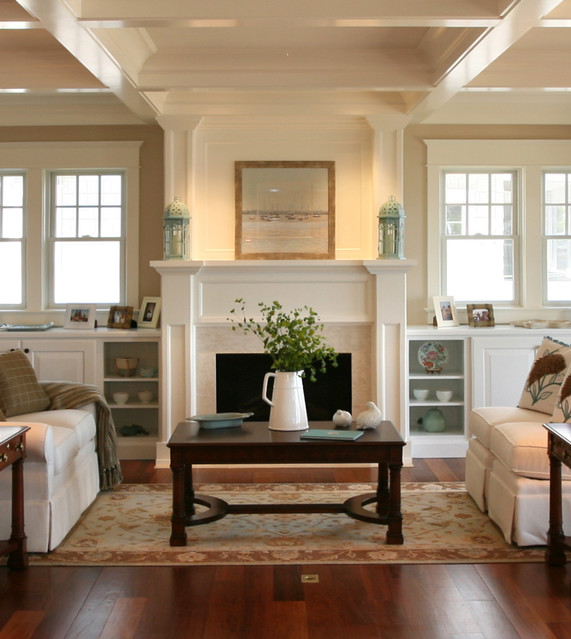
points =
(303, 9)
(525, 15)
(57, 18)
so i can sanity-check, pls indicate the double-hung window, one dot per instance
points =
(12, 242)
(499, 224)
(69, 224)
(557, 236)
(479, 235)
(87, 237)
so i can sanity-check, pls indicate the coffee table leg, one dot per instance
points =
(394, 528)
(18, 558)
(178, 519)
(383, 489)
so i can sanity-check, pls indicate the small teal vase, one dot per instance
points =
(434, 421)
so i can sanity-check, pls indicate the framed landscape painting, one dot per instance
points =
(285, 210)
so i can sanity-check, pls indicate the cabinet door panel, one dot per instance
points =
(63, 360)
(501, 368)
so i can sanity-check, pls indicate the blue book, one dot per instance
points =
(341, 435)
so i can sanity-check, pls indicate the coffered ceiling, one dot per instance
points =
(491, 61)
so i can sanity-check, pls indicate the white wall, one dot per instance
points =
(219, 142)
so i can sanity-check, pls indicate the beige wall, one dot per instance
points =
(152, 192)
(415, 202)
(151, 195)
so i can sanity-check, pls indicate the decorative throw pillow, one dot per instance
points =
(562, 411)
(542, 386)
(20, 391)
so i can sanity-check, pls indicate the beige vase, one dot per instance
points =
(288, 411)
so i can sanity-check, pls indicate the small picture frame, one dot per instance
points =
(120, 317)
(445, 311)
(150, 312)
(480, 315)
(80, 316)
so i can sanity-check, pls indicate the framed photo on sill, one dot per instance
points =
(120, 317)
(480, 315)
(284, 210)
(445, 311)
(80, 316)
(150, 312)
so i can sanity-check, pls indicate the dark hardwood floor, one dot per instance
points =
(487, 601)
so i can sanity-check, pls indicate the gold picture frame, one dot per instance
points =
(120, 317)
(285, 210)
(480, 315)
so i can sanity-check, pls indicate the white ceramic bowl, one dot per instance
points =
(145, 396)
(120, 398)
(420, 393)
(444, 395)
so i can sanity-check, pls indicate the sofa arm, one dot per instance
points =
(39, 441)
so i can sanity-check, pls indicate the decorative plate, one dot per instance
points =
(433, 356)
(220, 420)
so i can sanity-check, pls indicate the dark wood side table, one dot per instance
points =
(13, 453)
(559, 451)
(254, 443)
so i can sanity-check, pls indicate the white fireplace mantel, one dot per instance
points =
(362, 304)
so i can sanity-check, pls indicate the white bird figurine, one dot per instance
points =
(369, 418)
(342, 418)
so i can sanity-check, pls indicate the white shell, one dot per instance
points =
(342, 418)
(369, 418)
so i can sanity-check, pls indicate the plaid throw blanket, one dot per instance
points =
(72, 395)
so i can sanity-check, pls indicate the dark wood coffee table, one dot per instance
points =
(254, 443)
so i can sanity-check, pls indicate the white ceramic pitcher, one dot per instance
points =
(288, 410)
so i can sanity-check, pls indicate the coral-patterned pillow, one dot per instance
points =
(541, 388)
(562, 412)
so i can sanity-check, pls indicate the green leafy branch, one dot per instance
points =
(293, 339)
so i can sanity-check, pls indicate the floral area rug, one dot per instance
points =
(131, 526)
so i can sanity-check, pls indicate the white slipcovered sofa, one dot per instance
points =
(507, 466)
(70, 451)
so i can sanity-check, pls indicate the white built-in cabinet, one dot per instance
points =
(486, 366)
(89, 357)
(57, 357)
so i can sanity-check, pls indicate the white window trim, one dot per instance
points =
(530, 158)
(38, 157)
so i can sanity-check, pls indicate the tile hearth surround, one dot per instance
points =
(361, 303)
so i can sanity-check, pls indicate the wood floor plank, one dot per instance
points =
(287, 585)
(124, 619)
(509, 595)
(22, 624)
(469, 583)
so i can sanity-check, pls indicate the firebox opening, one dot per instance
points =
(239, 379)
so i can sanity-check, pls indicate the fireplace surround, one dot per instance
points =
(362, 304)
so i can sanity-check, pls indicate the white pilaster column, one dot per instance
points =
(177, 346)
(389, 339)
(387, 156)
(179, 148)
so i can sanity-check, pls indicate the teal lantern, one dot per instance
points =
(176, 227)
(391, 230)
